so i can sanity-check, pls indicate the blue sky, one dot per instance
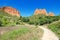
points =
(27, 7)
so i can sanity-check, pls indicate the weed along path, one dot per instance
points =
(48, 34)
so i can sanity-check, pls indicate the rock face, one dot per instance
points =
(51, 14)
(40, 11)
(11, 11)
(43, 12)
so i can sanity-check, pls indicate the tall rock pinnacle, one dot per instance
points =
(43, 12)
(51, 14)
(40, 11)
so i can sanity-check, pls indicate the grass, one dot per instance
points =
(23, 33)
(13, 34)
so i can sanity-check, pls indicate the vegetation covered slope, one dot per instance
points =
(55, 27)
(40, 19)
(23, 33)
(7, 20)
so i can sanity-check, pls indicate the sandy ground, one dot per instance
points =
(48, 34)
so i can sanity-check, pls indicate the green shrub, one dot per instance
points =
(25, 19)
(41, 20)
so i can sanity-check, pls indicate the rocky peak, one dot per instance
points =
(40, 11)
(51, 14)
(43, 11)
(11, 11)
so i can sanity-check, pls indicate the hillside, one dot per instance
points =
(55, 27)
(7, 20)
(40, 19)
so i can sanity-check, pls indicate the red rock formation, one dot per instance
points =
(11, 11)
(43, 11)
(51, 14)
(40, 11)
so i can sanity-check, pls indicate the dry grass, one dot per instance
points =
(33, 34)
(28, 33)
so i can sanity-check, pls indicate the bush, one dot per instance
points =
(25, 19)
(41, 20)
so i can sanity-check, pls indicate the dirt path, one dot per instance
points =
(48, 34)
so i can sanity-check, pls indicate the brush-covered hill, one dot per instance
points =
(40, 19)
(7, 19)
(55, 27)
